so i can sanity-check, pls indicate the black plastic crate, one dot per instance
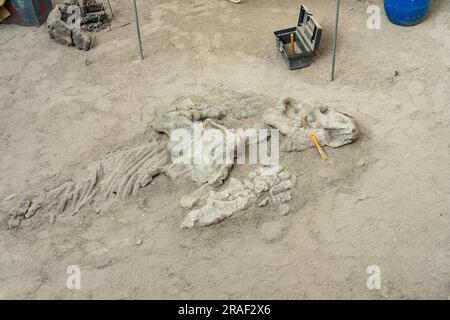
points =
(307, 36)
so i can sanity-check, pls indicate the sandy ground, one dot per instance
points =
(381, 201)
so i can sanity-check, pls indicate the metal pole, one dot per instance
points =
(96, 27)
(138, 30)
(335, 39)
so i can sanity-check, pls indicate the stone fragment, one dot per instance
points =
(22, 209)
(61, 33)
(82, 39)
(263, 202)
(284, 209)
(19, 213)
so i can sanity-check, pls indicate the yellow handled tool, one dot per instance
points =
(293, 43)
(319, 148)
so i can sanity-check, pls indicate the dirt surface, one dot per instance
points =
(383, 200)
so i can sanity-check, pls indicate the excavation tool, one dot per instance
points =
(292, 43)
(319, 148)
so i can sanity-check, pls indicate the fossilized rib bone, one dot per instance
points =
(135, 169)
(120, 175)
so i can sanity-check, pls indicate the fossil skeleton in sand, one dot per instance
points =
(123, 173)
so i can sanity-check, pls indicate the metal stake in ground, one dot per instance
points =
(335, 39)
(138, 30)
(97, 25)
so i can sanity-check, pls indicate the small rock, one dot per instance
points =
(139, 242)
(323, 109)
(361, 163)
(60, 31)
(284, 209)
(263, 202)
(14, 223)
(82, 39)
(22, 209)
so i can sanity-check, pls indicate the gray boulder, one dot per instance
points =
(60, 31)
(82, 39)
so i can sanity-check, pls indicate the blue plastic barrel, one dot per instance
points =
(406, 12)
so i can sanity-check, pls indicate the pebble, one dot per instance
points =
(284, 209)
(361, 163)
(263, 202)
(14, 223)
(22, 208)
